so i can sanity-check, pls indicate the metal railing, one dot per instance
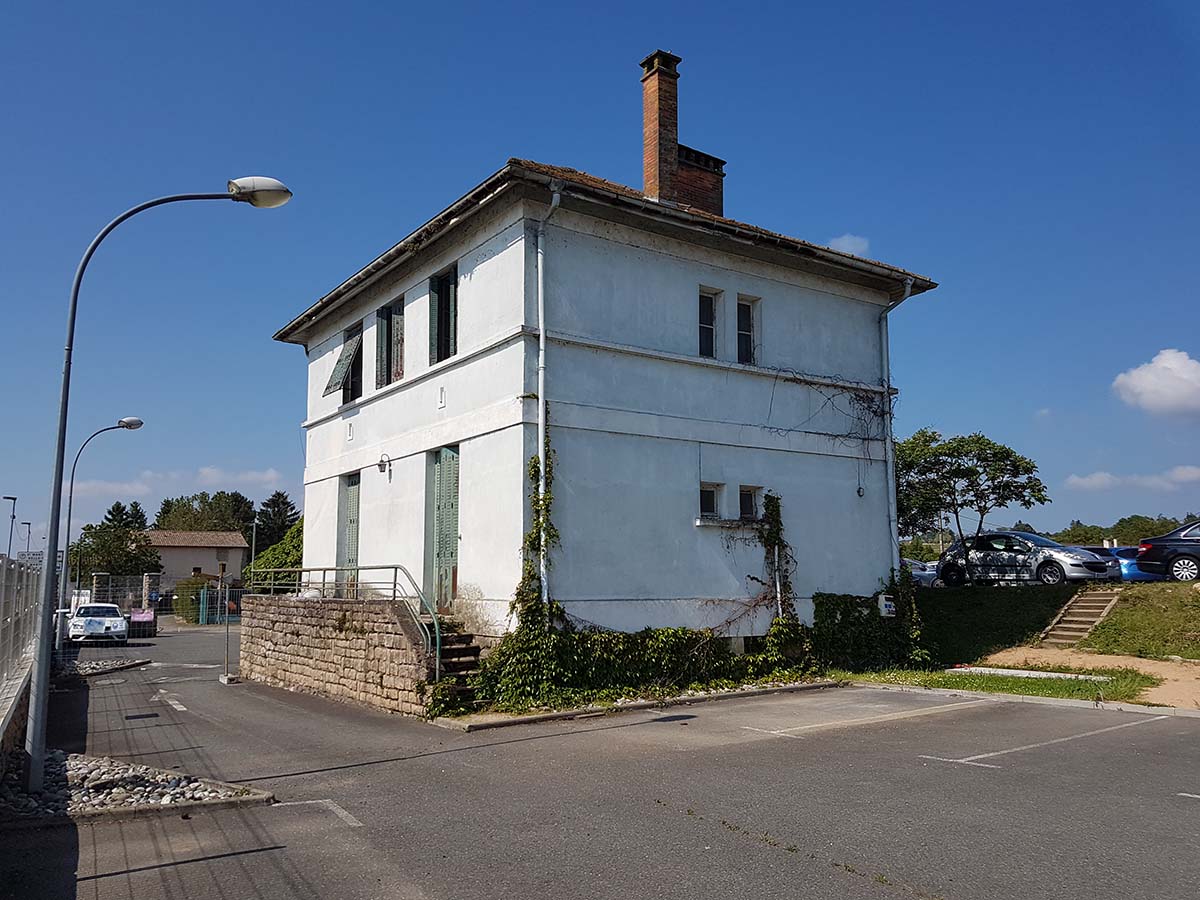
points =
(20, 594)
(393, 584)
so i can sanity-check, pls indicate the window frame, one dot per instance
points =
(716, 504)
(750, 357)
(443, 315)
(352, 384)
(389, 343)
(713, 298)
(756, 507)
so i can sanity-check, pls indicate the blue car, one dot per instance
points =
(1127, 557)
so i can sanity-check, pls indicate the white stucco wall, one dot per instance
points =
(177, 562)
(638, 420)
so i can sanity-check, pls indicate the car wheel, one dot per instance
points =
(1051, 573)
(1185, 568)
(952, 576)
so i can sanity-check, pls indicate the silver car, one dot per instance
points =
(925, 574)
(1022, 557)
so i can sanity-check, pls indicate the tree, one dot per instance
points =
(287, 553)
(1078, 534)
(136, 517)
(116, 516)
(961, 474)
(222, 511)
(276, 515)
(1024, 526)
(115, 549)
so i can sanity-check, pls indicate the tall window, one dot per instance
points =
(347, 371)
(443, 315)
(708, 324)
(747, 502)
(389, 343)
(708, 500)
(745, 332)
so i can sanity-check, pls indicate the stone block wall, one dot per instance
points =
(355, 650)
(15, 717)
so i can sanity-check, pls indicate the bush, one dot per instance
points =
(965, 623)
(849, 632)
(187, 599)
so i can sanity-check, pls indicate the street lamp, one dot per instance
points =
(11, 522)
(28, 534)
(255, 190)
(129, 423)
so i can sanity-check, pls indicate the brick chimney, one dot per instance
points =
(673, 173)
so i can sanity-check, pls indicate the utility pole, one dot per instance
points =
(11, 523)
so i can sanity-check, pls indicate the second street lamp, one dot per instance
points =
(256, 191)
(129, 423)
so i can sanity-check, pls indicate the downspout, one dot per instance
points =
(888, 448)
(555, 200)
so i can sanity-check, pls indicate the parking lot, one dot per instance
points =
(838, 793)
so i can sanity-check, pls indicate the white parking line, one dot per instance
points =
(1192, 796)
(867, 720)
(329, 805)
(971, 760)
(175, 704)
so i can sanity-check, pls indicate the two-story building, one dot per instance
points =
(690, 363)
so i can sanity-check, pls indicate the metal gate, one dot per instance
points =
(220, 605)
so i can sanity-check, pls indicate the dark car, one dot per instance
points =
(1175, 554)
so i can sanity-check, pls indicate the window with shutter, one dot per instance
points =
(443, 315)
(347, 371)
(389, 343)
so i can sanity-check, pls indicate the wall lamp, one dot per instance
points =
(385, 464)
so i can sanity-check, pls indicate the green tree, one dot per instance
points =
(276, 515)
(136, 517)
(1024, 526)
(222, 511)
(287, 553)
(117, 516)
(1079, 534)
(115, 549)
(969, 474)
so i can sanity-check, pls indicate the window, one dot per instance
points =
(389, 343)
(708, 324)
(443, 315)
(347, 371)
(708, 501)
(747, 502)
(745, 332)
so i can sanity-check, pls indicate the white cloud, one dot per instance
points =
(1170, 480)
(1043, 413)
(100, 488)
(851, 243)
(1169, 384)
(1097, 481)
(212, 476)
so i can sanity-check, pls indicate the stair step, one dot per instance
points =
(461, 651)
(458, 639)
(1057, 642)
(1079, 620)
(1071, 629)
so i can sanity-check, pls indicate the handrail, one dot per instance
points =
(304, 579)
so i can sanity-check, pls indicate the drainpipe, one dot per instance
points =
(888, 448)
(555, 200)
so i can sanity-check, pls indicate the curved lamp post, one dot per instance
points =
(129, 423)
(257, 191)
(28, 534)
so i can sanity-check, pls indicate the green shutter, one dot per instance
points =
(398, 340)
(433, 320)
(452, 311)
(341, 370)
(383, 347)
(445, 532)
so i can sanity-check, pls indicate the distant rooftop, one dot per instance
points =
(196, 538)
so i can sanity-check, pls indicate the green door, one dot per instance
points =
(445, 527)
(348, 539)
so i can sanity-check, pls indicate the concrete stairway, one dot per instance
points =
(1077, 619)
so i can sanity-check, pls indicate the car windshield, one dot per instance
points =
(103, 612)
(1038, 541)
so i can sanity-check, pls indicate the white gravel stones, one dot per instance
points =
(75, 783)
(85, 667)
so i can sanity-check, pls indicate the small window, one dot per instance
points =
(389, 344)
(708, 501)
(443, 315)
(747, 502)
(347, 372)
(708, 324)
(745, 332)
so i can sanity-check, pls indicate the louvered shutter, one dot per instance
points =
(452, 312)
(398, 340)
(383, 347)
(433, 320)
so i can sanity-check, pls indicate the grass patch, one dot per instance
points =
(1154, 620)
(962, 625)
(1126, 684)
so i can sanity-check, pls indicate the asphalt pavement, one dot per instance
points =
(840, 793)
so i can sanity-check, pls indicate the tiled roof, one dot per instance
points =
(825, 260)
(196, 538)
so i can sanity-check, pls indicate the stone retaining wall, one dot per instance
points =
(15, 717)
(356, 650)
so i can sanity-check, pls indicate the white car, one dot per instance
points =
(98, 622)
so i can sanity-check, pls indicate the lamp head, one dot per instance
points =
(258, 190)
(133, 423)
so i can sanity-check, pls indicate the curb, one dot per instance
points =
(1043, 701)
(249, 797)
(589, 711)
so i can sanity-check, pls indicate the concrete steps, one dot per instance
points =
(1076, 620)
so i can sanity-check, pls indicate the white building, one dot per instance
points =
(182, 551)
(692, 363)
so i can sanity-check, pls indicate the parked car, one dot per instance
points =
(1127, 557)
(1175, 555)
(98, 622)
(1105, 553)
(1018, 556)
(925, 574)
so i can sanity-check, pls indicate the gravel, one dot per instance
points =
(85, 667)
(75, 783)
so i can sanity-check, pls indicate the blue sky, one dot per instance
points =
(1039, 160)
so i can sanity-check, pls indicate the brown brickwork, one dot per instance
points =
(700, 188)
(354, 650)
(660, 124)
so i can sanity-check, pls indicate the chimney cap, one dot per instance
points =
(661, 60)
